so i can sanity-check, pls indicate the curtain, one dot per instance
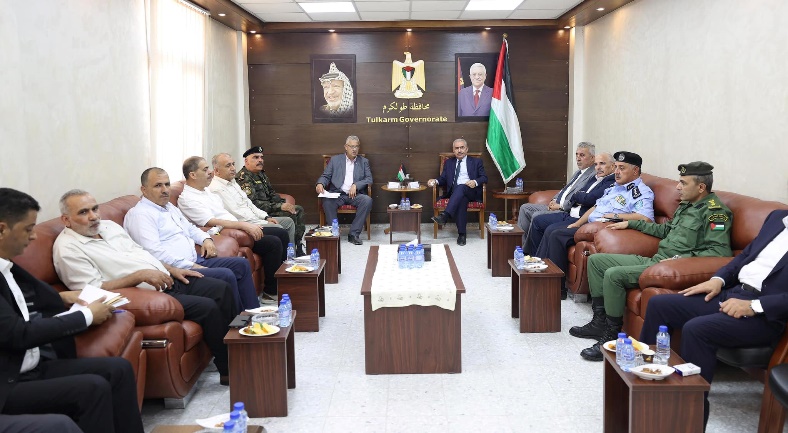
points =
(176, 33)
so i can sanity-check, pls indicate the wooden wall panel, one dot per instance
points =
(280, 108)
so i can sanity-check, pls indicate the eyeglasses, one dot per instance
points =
(352, 147)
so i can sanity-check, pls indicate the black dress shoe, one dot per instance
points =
(224, 380)
(300, 251)
(353, 239)
(441, 219)
(461, 239)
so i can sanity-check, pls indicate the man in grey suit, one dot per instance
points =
(349, 175)
(584, 157)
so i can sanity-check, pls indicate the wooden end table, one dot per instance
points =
(515, 198)
(261, 370)
(307, 292)
(403, 194)
(536, 298)
(330, 248)
(500, 248)
(632, 404)
(404, 221)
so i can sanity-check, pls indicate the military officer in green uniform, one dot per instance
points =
(700, 227)
(254, 182)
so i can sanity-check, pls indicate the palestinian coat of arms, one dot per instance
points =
(407, 79)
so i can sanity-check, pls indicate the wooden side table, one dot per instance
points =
(261, 370)
(404, 221)
(330, 248)
(500, 248)
(515, 198)
(536, 298)
(307, 292)
(403, 194)
(632, 404)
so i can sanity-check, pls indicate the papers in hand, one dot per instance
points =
(326, 194)
(91, 293)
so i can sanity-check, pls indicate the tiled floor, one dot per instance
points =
(510, 382)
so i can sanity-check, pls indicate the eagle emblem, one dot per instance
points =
(407, 79)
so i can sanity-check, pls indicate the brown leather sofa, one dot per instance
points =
(160, 338)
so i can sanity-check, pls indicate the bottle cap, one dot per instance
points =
(627, 341)
(290, 244)
(663, 328)
(285, 296)
(229, 425)
(314, 250)
(235, 415)
(239, 406)
(622, 335)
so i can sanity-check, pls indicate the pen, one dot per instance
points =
(118, 311)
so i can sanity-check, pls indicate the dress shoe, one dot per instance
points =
(224, 380)
(267, 299)
(300, 250)
(461, 239)
(353, 239)
(441, 219)
(564, 294)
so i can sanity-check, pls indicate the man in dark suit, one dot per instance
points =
(39, 372)
(476, 99)
(744, 304)
(349, 175)
(463, 177)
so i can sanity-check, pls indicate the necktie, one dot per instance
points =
(457, 172)
(476, 98)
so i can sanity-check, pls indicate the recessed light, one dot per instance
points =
(600, 9)
(567, 27)
(492, 5)
(487, 28)
(327, 7)
(252, 31)
(222, 15)
(331, 30)
(409, 30)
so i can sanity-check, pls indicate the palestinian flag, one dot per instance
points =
(503, 133)
(401, 172)
(717, 226)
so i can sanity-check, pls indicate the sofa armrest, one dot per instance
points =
(680, 274)
(150, 307)
(241, 238)
(625, 242)
(108, 339)
(542, 197)
(288, 198)
(587, 231)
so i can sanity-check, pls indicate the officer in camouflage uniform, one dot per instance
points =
(254, 182)
(700, 227)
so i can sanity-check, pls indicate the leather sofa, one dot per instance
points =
(159, 337)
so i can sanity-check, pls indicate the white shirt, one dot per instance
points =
(463, 177)
(756, 271)
(237, 202)
(202, 206)
(164, 232)
(562, 199)
(80, 260)
(32, 356)
(349, 167)
(575, 211)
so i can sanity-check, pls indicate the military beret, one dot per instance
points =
(255, 149)
(628, 157)
(696, 168)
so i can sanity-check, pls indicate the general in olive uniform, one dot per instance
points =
(254, 182)
(700, 227)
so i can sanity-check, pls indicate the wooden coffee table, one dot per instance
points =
(330, 248)
(307, 292)
(404, 221)
(413, 339)
(500, 248)
(536, 298)
(261, 370)
(632, 404)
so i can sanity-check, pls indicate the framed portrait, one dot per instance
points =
(475, 75)
(333, 88)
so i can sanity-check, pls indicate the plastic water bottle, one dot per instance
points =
(290, 254)
(519, 257)
(230, 427)
(288, 303)
(314, 261)
(335, 227)
(663, 346)
(407, 204)
(419, 256)
(620, 346)
(243, 418)
(234, 419)
(493, 221)
(402, 257)
(627, 355)
(410, 257)
(284, 314)
(317, 256)
(402, 204)
(519, 183)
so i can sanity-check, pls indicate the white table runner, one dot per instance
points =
(431, 285)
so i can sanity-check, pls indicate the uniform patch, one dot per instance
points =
(639, 205)
(717, 226)
(714, 205)
(630, 186)
(621, 200)
(247, 190)
(718, 218)
(636, 192)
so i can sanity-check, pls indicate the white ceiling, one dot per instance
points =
(401, 10)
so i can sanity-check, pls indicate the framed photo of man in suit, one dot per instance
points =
(475, 76)
(333, 88)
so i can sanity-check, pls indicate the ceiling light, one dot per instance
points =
(325, 7)
(410, 30)
(252, 31)
(600, 9)
(567, 27)
(492, 5)
(487, 28)
(222, 15)
(331, 30)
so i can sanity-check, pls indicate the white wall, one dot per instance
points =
(74, 109)
(678, 81)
